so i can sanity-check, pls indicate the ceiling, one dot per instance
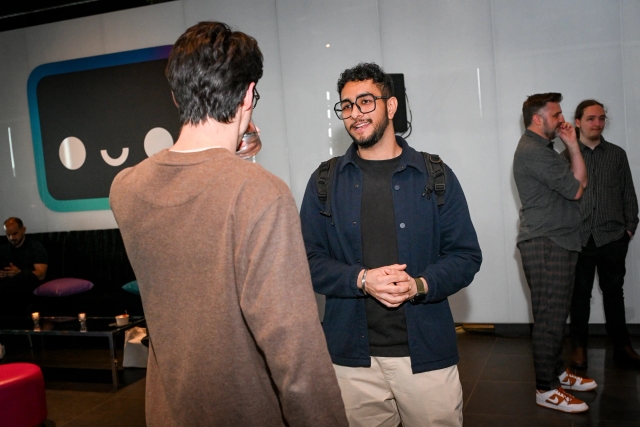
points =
(16, 14)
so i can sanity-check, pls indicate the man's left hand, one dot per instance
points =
(411, 283)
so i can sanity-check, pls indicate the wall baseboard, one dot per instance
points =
(524, 329)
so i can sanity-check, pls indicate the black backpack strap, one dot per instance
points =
(323, 184)
(437, 178)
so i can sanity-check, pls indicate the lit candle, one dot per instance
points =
(35, 316)
(82, 316)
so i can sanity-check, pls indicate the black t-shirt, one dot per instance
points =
(29, 253)
(387, 326)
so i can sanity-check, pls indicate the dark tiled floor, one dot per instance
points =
(496, 373)
(499, 384)
(87, 408)
(78, 385)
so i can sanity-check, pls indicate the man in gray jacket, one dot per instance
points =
(549, 241)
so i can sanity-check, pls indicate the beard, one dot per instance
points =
(375, 137)
(17, 243)
(591, 136)
(549, 133)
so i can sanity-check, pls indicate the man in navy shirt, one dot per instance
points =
(386, 259)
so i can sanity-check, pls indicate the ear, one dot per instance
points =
(174, 100)
(537, 119)
(392, 107)
(578, 123)
(248, 97)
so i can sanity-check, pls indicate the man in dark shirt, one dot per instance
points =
(386, 258)
(609, 209)
(23, 261)
(549, 241)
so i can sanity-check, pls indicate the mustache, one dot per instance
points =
(359, 122)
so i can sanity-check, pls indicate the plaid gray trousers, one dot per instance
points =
(550, 272)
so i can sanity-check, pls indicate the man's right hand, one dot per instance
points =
(10, 271)
(390, 285)
(567, 135)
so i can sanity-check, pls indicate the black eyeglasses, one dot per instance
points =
(366, 103)
(256, 97)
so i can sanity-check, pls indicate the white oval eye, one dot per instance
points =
(72, 153)
(115, 162)
(157, 139)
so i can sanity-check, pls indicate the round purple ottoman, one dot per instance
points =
(22, 398)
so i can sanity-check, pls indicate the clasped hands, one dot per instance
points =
(10, 271)
(391, 285)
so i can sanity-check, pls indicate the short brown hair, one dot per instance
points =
(537, 102)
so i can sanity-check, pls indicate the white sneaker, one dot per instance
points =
(560, 400)
(575, 383)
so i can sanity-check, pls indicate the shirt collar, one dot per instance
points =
(407, 157)
(546, 142)
(603, 145)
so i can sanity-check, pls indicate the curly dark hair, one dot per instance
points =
(367, 71)
(537, 102)
(209, 71)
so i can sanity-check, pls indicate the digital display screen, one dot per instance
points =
(93, 117)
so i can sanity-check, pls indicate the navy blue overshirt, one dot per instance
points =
(437, 243)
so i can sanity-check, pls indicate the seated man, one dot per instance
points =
(23, 261)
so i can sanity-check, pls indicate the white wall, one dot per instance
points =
(468, 67)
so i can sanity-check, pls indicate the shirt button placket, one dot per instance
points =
(397, 187)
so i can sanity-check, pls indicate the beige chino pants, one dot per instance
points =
(388, 393)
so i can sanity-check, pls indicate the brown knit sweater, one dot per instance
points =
(216, 246)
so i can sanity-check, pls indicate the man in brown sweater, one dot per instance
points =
(216, 246)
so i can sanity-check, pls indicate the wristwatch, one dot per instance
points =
(422, 293)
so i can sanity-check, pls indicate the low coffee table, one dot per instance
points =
(70, 326)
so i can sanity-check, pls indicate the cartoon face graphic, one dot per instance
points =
(93, 117)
